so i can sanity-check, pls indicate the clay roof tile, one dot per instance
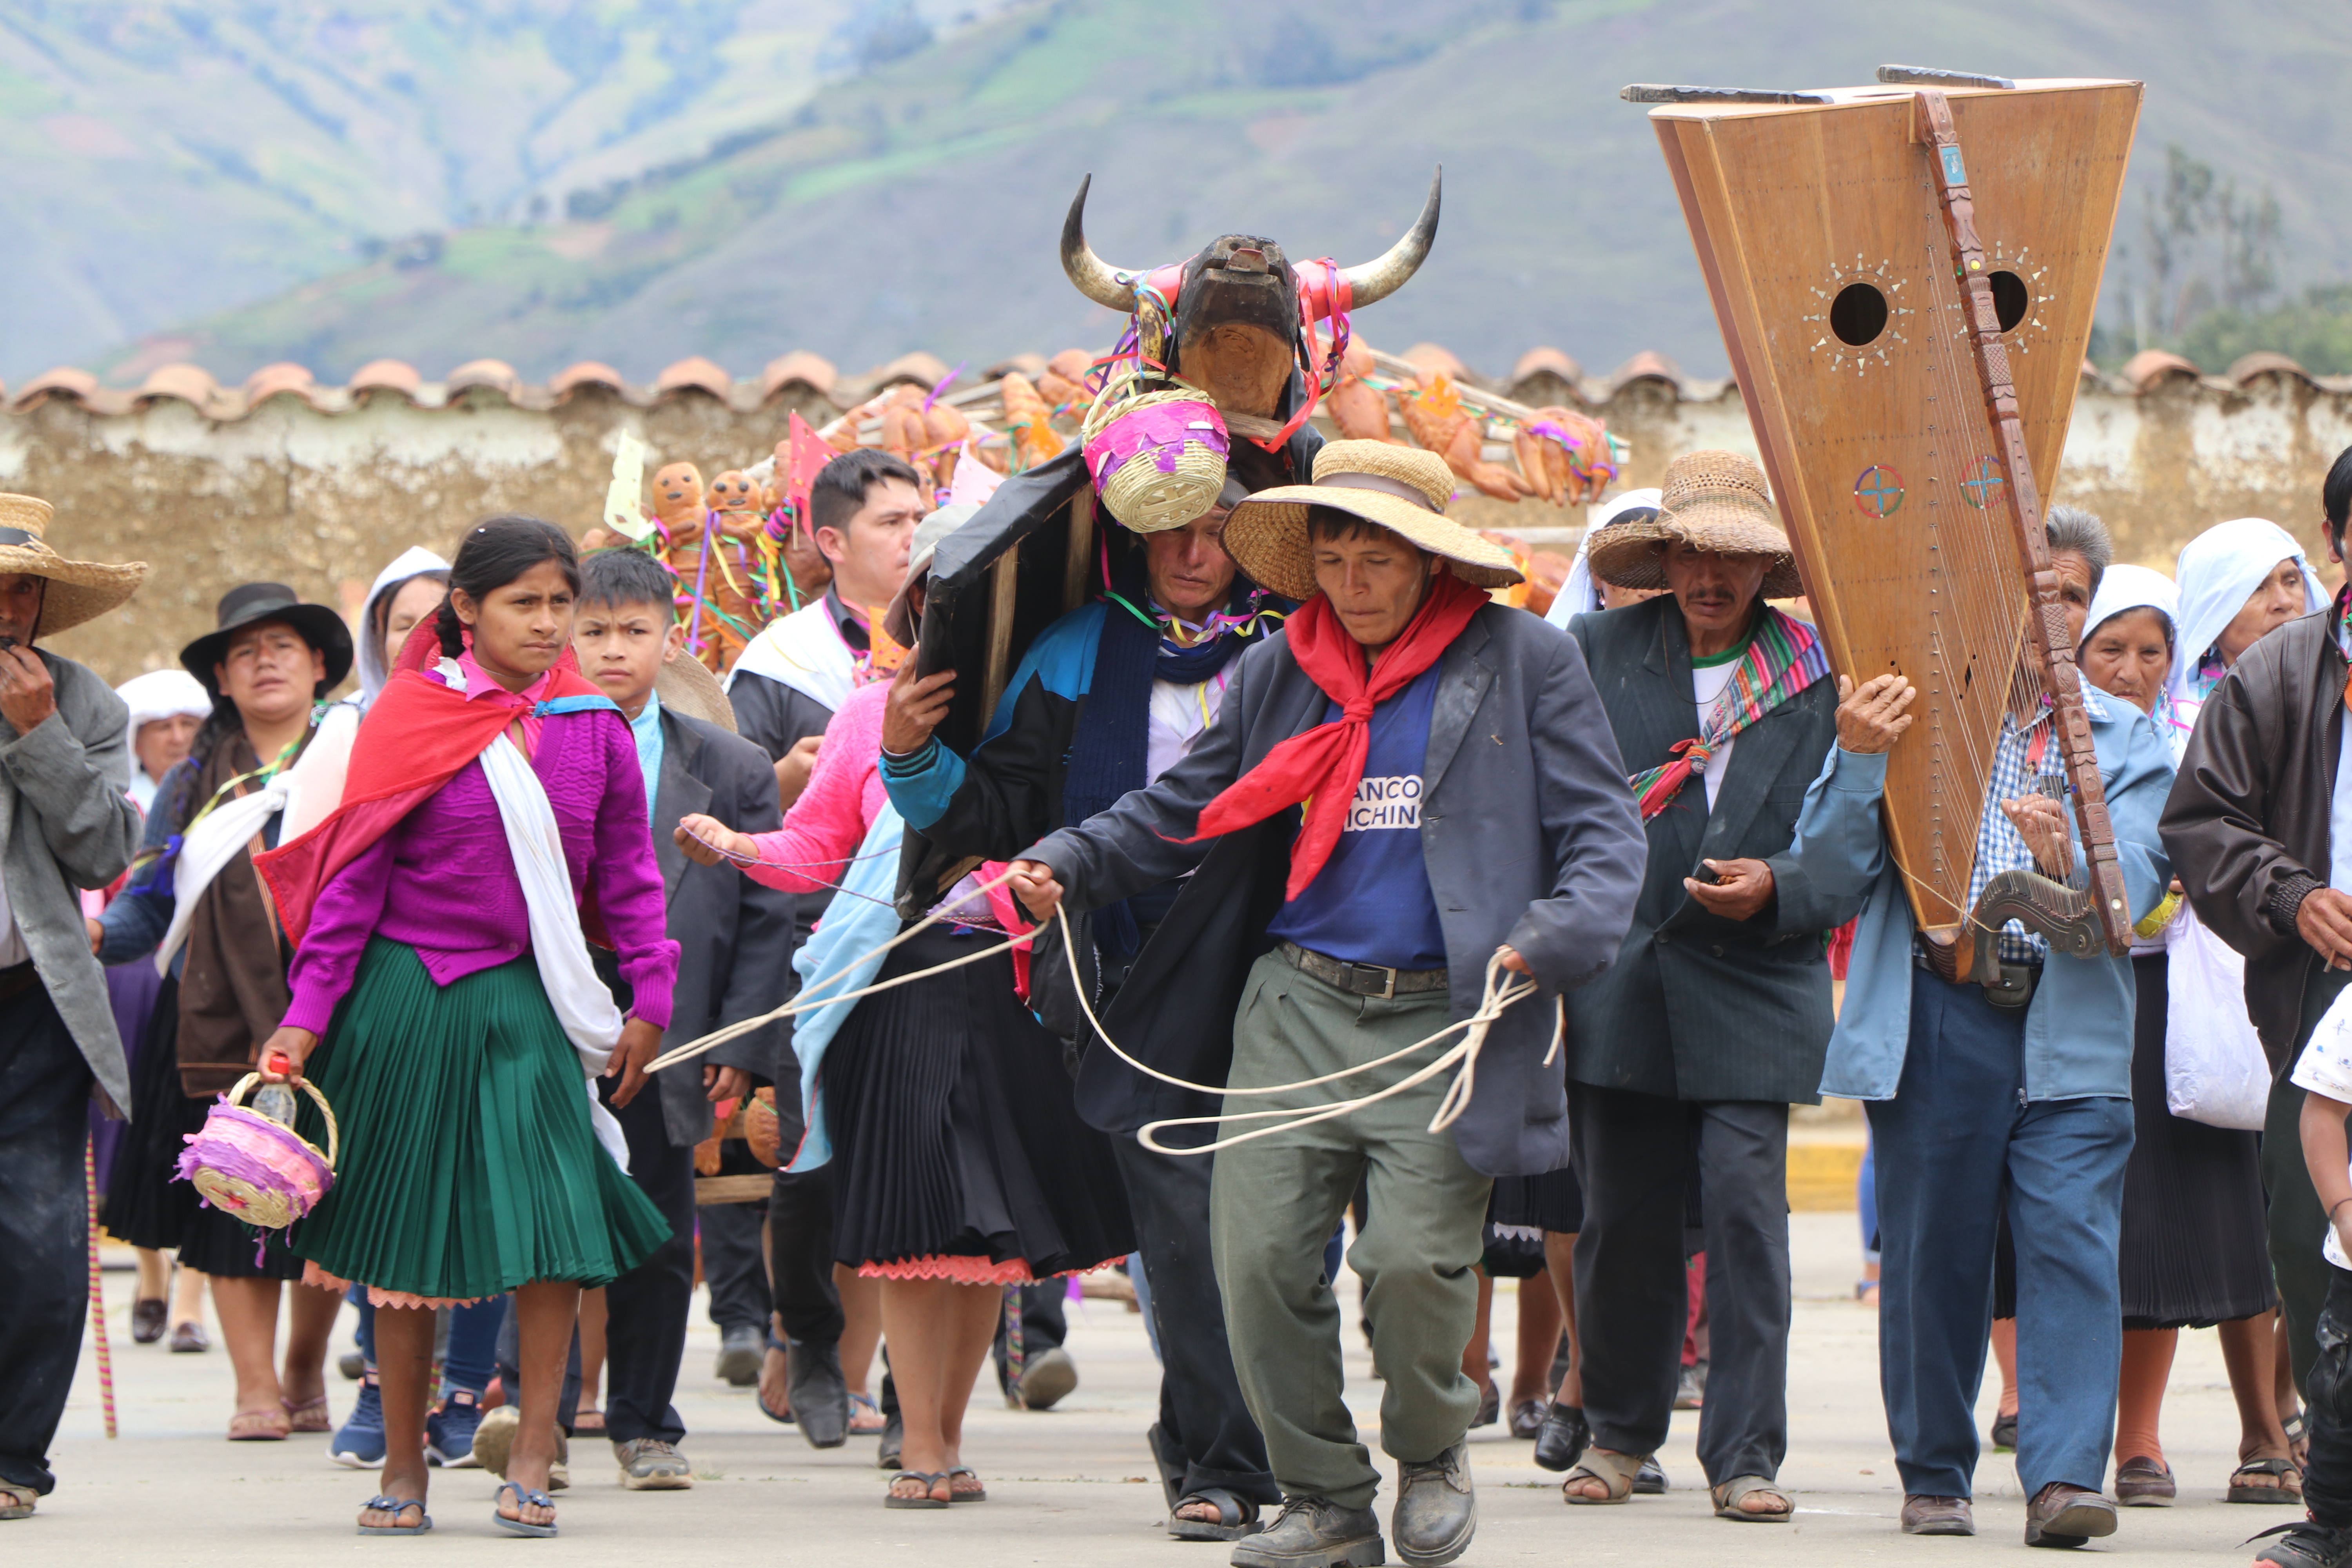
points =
(284, 377)
(65, 381)
(587, 372)
(387, 375)
(1434, 357)
(1647, 365)
(2149, 366)
(699, 374)
(494, 374)
(800, 365)
(2246, 368)
(926, 370)
(190, 383)
(1547, 361)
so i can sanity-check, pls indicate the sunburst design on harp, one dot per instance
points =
(1860, 318)
(2021, 294)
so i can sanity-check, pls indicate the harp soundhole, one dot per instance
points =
(1858, 314)
(2010, 298)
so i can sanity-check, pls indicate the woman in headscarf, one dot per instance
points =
(1584, 592)
(404, 592)
(2194, 1252)
(166, 707)
(2238, 580)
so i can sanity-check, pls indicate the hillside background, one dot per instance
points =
(544, 182)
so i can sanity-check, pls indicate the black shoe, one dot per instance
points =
(1563, 1437)
(1527, 1418)
(2063, 1515)
(1047, 1378)
(894, 1440)
(2305, 1544)
(2004, 1434)
(1436, 1508)
(1650, 1480)
(740, 1350)
(1490, 1409)
(1314, 1532)
(819, 1394)
(353, 1366)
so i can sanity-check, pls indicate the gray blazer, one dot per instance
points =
(1698, 1006)
(1527, 831)
(66, 824)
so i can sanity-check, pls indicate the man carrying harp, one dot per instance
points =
(2012, 1085)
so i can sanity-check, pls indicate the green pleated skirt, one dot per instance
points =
(467, 1165)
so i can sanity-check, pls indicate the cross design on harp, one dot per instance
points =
(1982, 488)
(1879, 492)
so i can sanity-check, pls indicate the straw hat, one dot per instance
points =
(1715, 501)
(1402, 489)
(686, 686)
(78, 591)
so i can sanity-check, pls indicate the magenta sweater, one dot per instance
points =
(443, 883)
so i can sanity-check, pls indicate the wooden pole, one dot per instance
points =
(1004, 587)
(1080, 554)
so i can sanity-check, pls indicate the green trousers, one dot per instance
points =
(2298, 1225)
(1275, 1202)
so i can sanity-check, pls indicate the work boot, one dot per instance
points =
(1314, 1532)
(1436, 1511)
(820, 1395)
(2063, 1515)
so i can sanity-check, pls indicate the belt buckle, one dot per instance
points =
(1387, 993)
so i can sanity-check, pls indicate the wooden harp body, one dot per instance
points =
(1872, 333)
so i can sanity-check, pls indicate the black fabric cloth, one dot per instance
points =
(145, 1206)
(732, 1264)
(1634, 1156)
(1203, 1423)
(800, 1253)
(44, 1230)
(2297, 1220)
(953, 1135)
(1552, 1202)
(2328, 1473)
(646, 1309)
(1697, 1005)
(2193, 1252)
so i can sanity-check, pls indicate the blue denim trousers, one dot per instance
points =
(1957, 1141)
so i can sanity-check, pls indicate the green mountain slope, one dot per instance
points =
(917, 204)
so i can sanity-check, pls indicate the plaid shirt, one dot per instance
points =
(2017, 758)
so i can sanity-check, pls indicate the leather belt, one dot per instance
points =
(18, 979)
(2013, 988)
(1365, 979)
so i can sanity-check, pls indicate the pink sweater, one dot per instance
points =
(845, 795)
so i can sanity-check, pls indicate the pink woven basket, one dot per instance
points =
(261, 1170)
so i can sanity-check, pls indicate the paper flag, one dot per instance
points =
(623, 502)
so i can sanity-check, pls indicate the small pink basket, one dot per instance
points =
(259, 1170)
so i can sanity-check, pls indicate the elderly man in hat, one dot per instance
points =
(66, 824)
(1465, 824)
(1686, 1054)
(2010, 1088)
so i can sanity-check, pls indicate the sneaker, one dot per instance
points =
(449, 1431)
(2305, 1544)
(1314, 1532)
(358, 1444)
(650, 1465)
(1046, 1379)
(1690, 1389)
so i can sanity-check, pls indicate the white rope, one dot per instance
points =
(1500, 994)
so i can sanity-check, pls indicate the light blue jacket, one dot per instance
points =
(2078, 1027)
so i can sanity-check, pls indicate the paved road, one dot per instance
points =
(1068, 1485)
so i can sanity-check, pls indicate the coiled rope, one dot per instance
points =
(1500, 994)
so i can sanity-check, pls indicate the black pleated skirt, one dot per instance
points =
(2195, 1234)
(146, 1205)
(957, 1149)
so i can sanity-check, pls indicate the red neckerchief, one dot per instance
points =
(1322, 766)
(418, 735)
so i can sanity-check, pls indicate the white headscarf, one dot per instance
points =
(1580, 594)
(410, 562)
(2218, 572)
(2123, 589)
(158, 694)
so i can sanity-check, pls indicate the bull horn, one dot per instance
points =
(1095, 278)
(1374, 281)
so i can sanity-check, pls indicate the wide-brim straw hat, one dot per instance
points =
(686, 686)
(78, 591)
(1402, 489)
(250, 604)
(1712, 500)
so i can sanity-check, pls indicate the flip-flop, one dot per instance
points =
(786, 1419)
(978, 1494)
(307, 1415)
(523, 1500)
(2280, 1470)
(259, 1426)
(929, 1479)
(396, 1506)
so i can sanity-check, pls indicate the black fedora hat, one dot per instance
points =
(250, 602)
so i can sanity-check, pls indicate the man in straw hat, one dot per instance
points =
(66, 824)
(1108, 698)
(2012, 1088)
(1464, 810)
(1686, 1054)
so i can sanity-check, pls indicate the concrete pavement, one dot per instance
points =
(1069, 1486)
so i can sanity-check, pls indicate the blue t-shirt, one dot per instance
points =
(1371, 903)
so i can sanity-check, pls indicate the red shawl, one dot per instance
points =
(1322, 766)
(417, 736)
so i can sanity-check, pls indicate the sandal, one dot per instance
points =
(588, 1424)
(17, 1501)
(523, 1500)
(396, 1506)
(866, 1418)
(307, 1415)
(976, 1492)
(1729, 1495)
(1614, 1471)
(1237, 1516)
(2278, 1492)
(929, 1479)
(781, 1349)
(259, 1426)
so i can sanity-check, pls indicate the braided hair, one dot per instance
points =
(495, 551)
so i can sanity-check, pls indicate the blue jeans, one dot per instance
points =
(1957, 1140)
